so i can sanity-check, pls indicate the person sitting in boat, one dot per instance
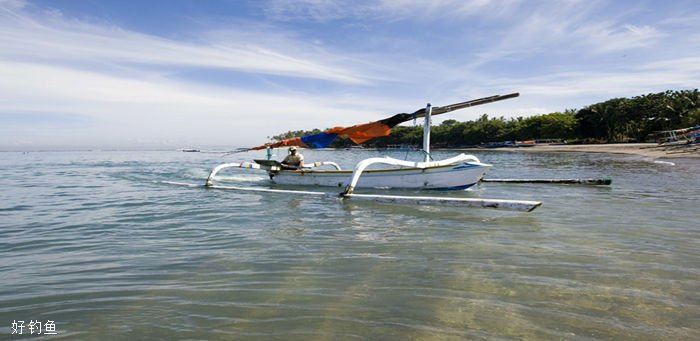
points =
(294, 160)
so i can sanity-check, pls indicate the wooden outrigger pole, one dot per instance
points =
(517, 205)
(604, 181)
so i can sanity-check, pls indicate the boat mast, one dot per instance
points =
(426, 132)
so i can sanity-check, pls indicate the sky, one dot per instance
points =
(190, 73)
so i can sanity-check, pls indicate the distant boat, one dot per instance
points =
(527, 143)
(400, 147)
(678, 135)
(190, 150)
(500, 144)
(509, 144)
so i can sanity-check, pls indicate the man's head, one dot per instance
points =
(293, 149)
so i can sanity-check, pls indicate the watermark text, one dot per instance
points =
(34, 327)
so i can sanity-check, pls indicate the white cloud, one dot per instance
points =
(26, 38)
(122, 85)
(607, 37)
(12, 4)
(578, 28)
(450, 8)
(126, 106)
(391, 10)
(578, 89)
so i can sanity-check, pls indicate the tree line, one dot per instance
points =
(616, 120)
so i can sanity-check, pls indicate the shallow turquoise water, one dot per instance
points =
(98, 243)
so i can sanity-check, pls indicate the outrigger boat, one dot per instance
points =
(458, 172)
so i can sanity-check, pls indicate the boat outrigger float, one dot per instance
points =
(455, 173)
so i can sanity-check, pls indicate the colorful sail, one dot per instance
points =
(361, 133)
(358, 133)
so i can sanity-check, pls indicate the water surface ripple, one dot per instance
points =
(98, 243)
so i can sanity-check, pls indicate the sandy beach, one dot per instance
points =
(643, 149)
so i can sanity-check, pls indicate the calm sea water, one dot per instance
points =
(98, 243)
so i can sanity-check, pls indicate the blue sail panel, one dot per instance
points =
(319, 140)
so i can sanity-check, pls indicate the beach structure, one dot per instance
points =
(686, 140)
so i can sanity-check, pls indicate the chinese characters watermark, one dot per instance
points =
(34, 327)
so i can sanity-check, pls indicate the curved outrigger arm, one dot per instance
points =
(253, 165)
(362, 165)
(322, 163)
(218, 168)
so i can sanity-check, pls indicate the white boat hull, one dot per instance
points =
(454, 176)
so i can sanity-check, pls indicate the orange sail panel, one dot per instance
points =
(358, 133)
(294, 141)
(362, 132)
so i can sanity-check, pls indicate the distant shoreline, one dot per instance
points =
(649, 150)
(642, 149)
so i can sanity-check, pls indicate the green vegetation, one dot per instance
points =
(615, 120)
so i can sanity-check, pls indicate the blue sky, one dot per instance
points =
(157, 73)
